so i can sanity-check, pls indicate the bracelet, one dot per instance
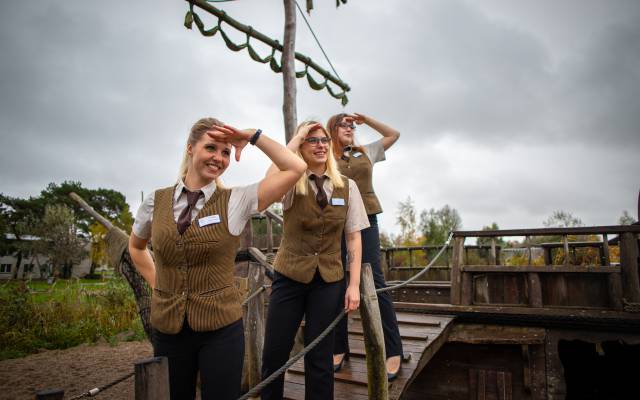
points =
(255, 137)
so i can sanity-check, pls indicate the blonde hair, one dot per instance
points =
(332, 128)
(332, 167)
(197, 131)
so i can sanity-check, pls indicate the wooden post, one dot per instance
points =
(529, 257)
(246, 237)
(53, 394)
(269, 235)
(456, 264)
(494, 258)
(548, 260)
(152, 379)
(373, 337)
(466, 291)
(288, 70)
(629, 264)
(605, 251)
(565, 241)
(253, 329)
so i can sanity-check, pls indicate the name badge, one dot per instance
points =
(357, 154)
(337, 202)
(208, 220)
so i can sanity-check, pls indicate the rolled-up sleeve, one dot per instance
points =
(375, 151)
(142, 224)
(243, 202)
(357, 219)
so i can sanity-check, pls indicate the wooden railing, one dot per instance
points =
(603, 286)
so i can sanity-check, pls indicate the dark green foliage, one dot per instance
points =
(71, 313)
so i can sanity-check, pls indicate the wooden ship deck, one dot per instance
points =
(562, 325)
(478, 328)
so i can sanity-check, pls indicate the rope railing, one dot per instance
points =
(191, 17)
(100, 389)
(258, 388)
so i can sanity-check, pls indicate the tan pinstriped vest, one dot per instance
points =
(311, 237)
(194, 271)
(360, 169)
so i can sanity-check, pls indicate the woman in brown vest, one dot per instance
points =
(195, 226)
(308, 270)
(357, 162)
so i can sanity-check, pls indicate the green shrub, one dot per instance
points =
(65, 317)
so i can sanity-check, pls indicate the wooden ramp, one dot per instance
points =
(422, 336)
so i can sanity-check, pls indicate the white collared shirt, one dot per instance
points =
(357, 218)
(243, 202)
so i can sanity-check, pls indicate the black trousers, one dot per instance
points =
(318, 301)
(371, 255)
(218, 355)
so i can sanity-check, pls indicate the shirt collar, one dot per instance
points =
(309, 172)
(208, 190)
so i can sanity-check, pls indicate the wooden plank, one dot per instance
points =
(152, 379)
(406, 332)
(373, 336)
(456, 265)
(592, 269)
(586, 230)
(407, 377)
(466, 295)
(607, 317)
(253, 328)
(614, 284)
(481, 289)
(496, 334)
(629, 264)
(413, 319)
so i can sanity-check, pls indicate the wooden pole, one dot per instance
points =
(373, 337)
(152, 379)
(288, 69)
(105, 222)
(269, 235)
(53, 394)
(253, 329)
(629, 264)
(456, 264)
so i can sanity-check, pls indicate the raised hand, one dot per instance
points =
(238, 138)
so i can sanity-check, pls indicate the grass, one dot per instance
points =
(36, 315)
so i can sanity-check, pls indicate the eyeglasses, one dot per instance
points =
(315, 140)
(346, 125)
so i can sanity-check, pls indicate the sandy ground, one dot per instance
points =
(75, 370)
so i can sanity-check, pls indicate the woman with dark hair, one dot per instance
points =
(308, 273)
(195, 227)
(357, 162)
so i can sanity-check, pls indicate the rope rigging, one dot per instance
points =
(191, 17)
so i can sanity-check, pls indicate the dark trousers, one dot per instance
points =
(371, 255)
(318, 301)
(218, 355)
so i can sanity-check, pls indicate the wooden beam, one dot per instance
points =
(253, 329)
(592, 269)
(629, 264)
(456, 265)
(288, 70)
(152, 379)
(586, 230)
(378, 386)
(534, 289)
(496, 334)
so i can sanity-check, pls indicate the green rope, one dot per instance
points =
(191, 17)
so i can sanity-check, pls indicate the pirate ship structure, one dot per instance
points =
(472, 327)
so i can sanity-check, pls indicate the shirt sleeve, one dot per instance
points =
(243, 202)
(375, 151)
(357, 219)
(142, 223)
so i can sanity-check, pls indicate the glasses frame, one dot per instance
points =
(346, 125)
(315, 140)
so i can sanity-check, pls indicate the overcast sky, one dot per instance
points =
(508, 110)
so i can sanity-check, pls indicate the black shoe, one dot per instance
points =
(337, 367)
